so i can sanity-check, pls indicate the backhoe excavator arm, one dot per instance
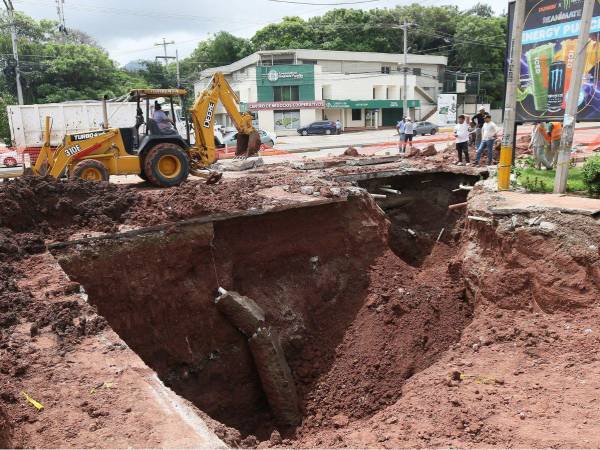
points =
(203, 118)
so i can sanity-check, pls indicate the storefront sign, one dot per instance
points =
(370, 104)
(285, 75)
(259, 106)
(549, 40)
(275, 75)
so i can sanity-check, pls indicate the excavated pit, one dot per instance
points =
(419, 213)
(354, 319)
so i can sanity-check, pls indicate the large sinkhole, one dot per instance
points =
(354, 318)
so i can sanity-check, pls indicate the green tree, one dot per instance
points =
(480, 46)
(221, 49)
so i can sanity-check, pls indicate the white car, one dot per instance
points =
(9, 159)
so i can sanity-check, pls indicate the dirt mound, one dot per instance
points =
(351, 151)
(56, 208)
(409, 319)
(428, 151)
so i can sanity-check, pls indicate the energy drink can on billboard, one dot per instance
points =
(556, 82)
(538, 63)
(567, 55)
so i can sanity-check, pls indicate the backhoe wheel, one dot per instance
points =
(166, 165)
(91, 170)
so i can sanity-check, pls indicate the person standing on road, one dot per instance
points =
(409, 129)
(488, 138)
(338, 127)
(461, 131)
(479, 120)
(400, 127)
(472, 131)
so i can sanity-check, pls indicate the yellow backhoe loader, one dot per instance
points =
(160, 156)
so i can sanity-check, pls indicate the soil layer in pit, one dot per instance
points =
(328, 283)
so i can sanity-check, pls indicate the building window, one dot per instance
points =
(417, 72)
(287, 120)
(286, 93)
(357, 114)
(310, 61)
(385, 69)
(374, 94)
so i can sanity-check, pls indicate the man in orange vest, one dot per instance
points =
(539, 141)
(555, 134)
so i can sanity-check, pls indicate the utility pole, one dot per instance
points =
(513, 77)
(13, 35)
(405, 69)
(566, 141)
(164, 44)
(177, 67)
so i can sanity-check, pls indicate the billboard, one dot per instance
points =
(447, 109)
(549, 41)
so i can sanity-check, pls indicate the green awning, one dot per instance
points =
(370, 104)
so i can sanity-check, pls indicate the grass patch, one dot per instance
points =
(535, 180)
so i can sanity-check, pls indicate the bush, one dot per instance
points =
(591, 175)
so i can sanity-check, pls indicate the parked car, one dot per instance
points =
(267, 139)
(322, 127)
(9, 159)
(424, 128)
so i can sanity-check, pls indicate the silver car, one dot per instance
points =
(424, 128)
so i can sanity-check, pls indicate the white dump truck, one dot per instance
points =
(27, 121)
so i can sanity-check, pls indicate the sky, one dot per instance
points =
(129, 29)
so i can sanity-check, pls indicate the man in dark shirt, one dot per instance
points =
(479, 120)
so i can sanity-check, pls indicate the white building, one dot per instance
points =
(292, 88)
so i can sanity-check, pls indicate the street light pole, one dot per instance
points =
(566, 141)
(512, 80)
(405, 70)
(13, 36)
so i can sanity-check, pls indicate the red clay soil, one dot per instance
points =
(491, 342)
(410, 317)
(524, 372)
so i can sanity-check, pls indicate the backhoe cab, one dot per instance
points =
(162, 157)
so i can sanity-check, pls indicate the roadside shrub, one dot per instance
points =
(591, 176)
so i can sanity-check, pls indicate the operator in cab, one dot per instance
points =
(165, 124)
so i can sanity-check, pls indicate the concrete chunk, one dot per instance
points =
(238, 165)
(243, 312)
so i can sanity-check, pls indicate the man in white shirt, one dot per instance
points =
(461, 131)
(409, 128)
(488, 137)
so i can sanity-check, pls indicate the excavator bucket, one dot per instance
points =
(247, 144)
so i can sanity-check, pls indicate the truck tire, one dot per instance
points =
(91, 170)
(166, 165)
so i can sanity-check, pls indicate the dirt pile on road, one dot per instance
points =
(55, 208)
(195, 198)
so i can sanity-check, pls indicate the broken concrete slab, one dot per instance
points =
(237, 165)
(315, 164)
(516, 202)
(372, 160)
